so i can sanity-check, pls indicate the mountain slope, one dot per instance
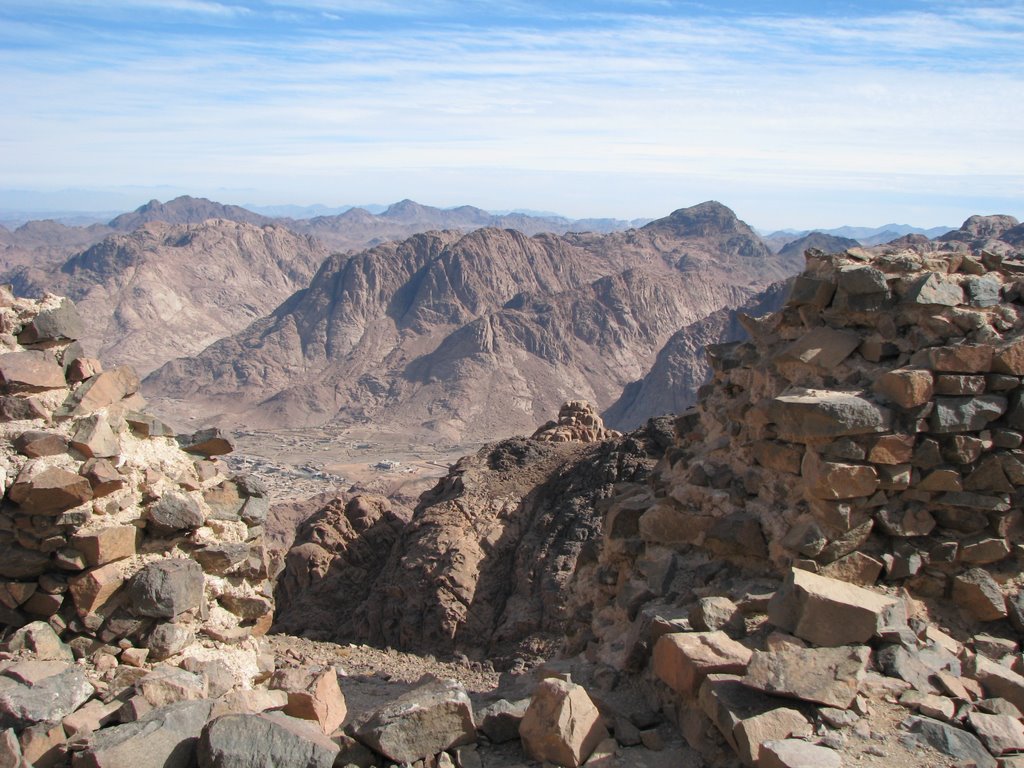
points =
(479, 335)
(163, 290)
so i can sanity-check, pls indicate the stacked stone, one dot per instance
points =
(109, 531)
(578, 421)
(868, 435)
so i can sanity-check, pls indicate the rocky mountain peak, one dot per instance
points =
(184, 210)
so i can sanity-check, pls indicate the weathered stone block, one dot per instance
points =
(682, 660)
(809, 415)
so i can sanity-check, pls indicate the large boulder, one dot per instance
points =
(163, 738)
(265, 739)
(561, 725)
(421, 723)
(830, 612)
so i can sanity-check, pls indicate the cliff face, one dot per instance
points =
(478, 335)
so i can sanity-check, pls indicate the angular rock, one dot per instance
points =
(835, 480)
(828, 676)
(952, 741)
(979, 594)
(207, 442)
(39, 638)
(166, 588)
(32, 371)
(313, 694)
(35, 444)
(107, 544)
(966, 414)
(998, 681)
(421, 723)
(682, 660)
(905, 387)
(20, 563)
(46, 699)
(14, 408)
(713, 613)
(101, 391)
(270, 739)
(795, 753)
(957, 358)
(44, 490)
(169, 685)
(162, 738)
(499, 721)
(821, 347)
(999, 733)
(808, 415)
(935, 289)
(92, 589)
(60, 323)
(561, 725)
(145, 425)
(94, 439)
(174, 512)
(830, 612)
(102, 476)
(167, 639)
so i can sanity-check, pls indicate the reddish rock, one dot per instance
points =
(561, 725)
(31, 371)
(682, 660)
(43, 490)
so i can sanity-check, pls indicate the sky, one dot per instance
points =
(794, 114)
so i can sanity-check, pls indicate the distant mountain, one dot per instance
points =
(162, 290)
(818, 240)
(185, 210)
(988, 232)
(476, 335)
(865, 236)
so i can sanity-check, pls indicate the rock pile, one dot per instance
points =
(577, 421)
(865, 448)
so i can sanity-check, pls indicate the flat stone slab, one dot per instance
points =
(682, 660)
(828, 676)
(809, 415)
(830, 612)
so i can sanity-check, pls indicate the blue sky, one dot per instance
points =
(804, 114)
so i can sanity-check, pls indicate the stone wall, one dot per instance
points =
(109, 530)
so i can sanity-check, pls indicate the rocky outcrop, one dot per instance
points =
(480, 568)
(478, 336)
(577, 422)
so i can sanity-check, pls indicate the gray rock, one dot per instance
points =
(421, 723)
(40, 639)
(966, 414)
(207, 442)
(804, 415)
(932, 288)
(163, 738)
(174, 512)
(266, 739)
(50, 698)
(56, 324)
(958, 744)
(20, 563)
(167, 639)
(166, 588)
(828, 676)
(982, 291)
(499, 721)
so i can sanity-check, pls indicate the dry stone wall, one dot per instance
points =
(109, 531)
(838, 524)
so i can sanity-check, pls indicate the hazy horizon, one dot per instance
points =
(807, 115)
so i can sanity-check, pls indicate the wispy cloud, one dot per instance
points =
(295, 95)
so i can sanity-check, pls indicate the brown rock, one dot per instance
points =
(313, 694)
(1009, 358)
(102, 476)
(35, 444)
(828, 676)
(979, 594)
(43, 490)
(835, 480)
(794, 753)
(821, 347)
(561, 725)
(93, 588)
(957, 358)
(93, 438)
(82, 368)
(101, 391)
(31, 371)
(808, 415)
(905, 387)
(892, 449)
(854, 568)
(997, 680)
(999, 733)
(107, 544)
(683, 659)
(830, 612)
(169, 685)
